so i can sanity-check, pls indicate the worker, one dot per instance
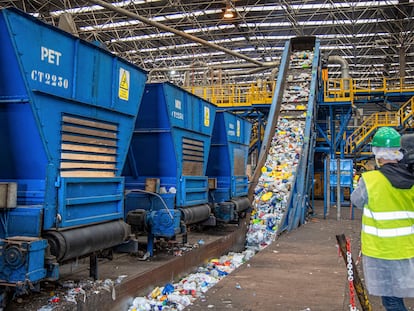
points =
(386, 195)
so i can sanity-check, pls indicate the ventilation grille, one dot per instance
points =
(239, 164)
(88, 147)
(193, 157)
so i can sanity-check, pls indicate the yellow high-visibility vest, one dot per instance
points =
(388, 220)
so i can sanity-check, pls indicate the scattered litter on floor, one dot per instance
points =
(74, 292)
(180, 295)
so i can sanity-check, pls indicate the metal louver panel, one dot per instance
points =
(239, 163)
(193, 157)
(88, 147)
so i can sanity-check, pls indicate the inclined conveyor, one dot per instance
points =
(282, 181)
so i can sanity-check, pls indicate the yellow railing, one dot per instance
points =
(255, 135)
(335, 90)
(369, 125)
(407, 112)
(236, 95)
(338, 90)
(393, 119)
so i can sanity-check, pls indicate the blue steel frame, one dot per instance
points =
(346, 169)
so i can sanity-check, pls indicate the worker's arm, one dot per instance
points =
(359, 197)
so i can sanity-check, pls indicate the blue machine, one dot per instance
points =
(169, 150)
(226, 166)
(345, 177)
(67, 113)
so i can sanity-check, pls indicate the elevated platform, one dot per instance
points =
(352, 90)
(247, 96)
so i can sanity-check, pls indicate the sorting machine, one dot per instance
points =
(67, 113)
(226, 167)
(180, 140)
(165, 180)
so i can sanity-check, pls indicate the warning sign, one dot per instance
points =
(123, 92)
(206, 116)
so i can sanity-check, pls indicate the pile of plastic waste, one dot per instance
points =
(180, 295)
(72, 292)
(273, 188)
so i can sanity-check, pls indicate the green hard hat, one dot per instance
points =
(386, 137)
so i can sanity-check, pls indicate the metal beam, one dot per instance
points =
(178, 32)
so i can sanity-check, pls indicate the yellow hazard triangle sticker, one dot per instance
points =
(123, 91)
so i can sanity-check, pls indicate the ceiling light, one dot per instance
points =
(228, 13)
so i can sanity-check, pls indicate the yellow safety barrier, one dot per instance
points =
(261, 93)
(368, 126)
(236, 95)
(346, 90)
(406, 113)
(338, 90)
(335, 90)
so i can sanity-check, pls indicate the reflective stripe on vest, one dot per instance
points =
(388, 219)
(388, 232)
(388, 215)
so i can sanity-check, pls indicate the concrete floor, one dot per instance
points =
(301, 270)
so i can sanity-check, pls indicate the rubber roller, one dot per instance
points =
(78, 242)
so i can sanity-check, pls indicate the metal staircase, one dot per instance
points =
(401, 119)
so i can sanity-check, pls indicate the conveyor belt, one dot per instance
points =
(283, 177)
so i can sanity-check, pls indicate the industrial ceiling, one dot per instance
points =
(190, 42)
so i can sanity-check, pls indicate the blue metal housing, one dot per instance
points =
(170, 144)
(171, 141)
(67, 112)
(345, 178)
(21, 258)
(228, 156)
(227, 164)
